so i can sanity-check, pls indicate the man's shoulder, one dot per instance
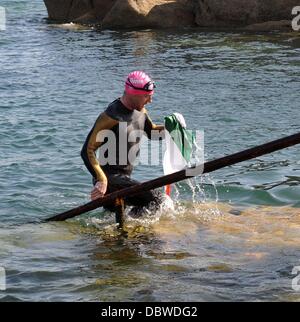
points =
(117, 111)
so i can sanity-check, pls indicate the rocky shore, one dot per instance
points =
(254, 15)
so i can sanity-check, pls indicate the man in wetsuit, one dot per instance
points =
(123, 118)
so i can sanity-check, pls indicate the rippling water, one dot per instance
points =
(238, 241)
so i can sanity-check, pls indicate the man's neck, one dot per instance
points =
(126, 103)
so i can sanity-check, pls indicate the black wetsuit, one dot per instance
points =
(122, 122)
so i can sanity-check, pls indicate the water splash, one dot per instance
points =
(190, 193)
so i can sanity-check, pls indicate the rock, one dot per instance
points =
(58, 10)
(102, 7)
(233, 13)
(128, 14)
(124, 13)
(89, 18)
(81, 11)
(79, 8)
(150, 14)
(175, 13)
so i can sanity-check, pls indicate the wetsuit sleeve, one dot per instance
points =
(92, 143)
(150, 126)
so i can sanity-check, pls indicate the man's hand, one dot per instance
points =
(99, 190)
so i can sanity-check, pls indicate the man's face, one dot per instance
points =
(141, 100)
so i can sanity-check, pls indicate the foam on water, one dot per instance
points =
(72, 27)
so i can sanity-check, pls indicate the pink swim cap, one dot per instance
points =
(139, 83)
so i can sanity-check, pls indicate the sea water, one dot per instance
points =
(234, 234)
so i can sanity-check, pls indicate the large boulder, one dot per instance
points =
(262, 14)
(124, 13)
(58, 10)
(150, 13)
(82, 11)
(232, 13)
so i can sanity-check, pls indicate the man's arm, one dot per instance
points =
(92, 143)
(150, 126)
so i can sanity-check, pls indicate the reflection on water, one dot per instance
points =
(265, 224)
(178, 255)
